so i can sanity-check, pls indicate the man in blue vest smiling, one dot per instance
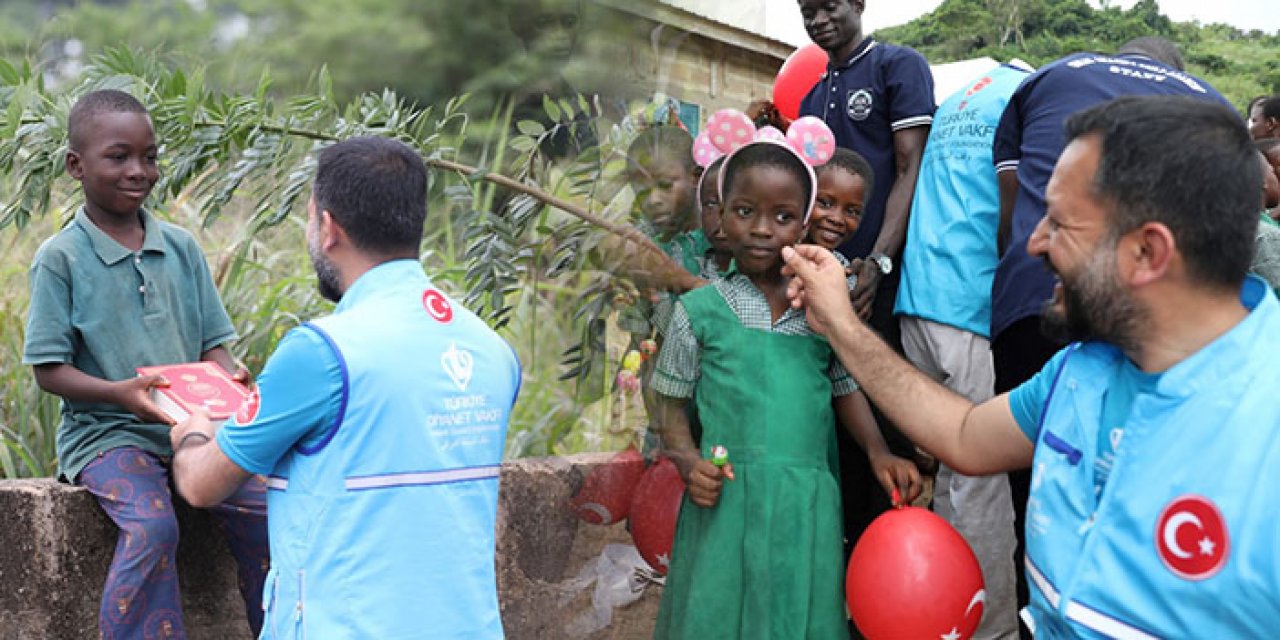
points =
(1147, 435)
(380, 427)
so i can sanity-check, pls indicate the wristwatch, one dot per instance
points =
(883, 263)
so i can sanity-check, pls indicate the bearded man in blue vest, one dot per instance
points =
(1147, 436)
(380, 428)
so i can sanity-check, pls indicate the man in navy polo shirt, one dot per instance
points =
(878, 100)
(1028, 141)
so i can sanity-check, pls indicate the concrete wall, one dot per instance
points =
(656, 47)
(56, 543)
(715, 75)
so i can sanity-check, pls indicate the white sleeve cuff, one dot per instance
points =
(914, 121)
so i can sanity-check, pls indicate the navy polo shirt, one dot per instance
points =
(880, 89)
(1030, 138)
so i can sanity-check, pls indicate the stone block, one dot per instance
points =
(57, 543)
(55, 550)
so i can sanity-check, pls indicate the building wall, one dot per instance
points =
(682, 56)
(712, 74)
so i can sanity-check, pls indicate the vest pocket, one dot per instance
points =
(268, 604)
(300, 629)
(1072, 454)
(274, 617)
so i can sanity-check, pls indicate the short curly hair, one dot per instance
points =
(93, 104)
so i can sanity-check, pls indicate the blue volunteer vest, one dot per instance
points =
(385, 528)
(1183, 541)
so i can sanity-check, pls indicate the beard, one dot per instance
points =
(327, 280)
(1094, 307)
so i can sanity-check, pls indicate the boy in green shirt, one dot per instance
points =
(115, 290)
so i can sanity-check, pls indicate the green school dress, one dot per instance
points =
(766, 561)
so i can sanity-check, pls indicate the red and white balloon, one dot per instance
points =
(655, 507)
(605, 496)
(912, 575)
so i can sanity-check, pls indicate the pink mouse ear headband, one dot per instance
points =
(729, 130)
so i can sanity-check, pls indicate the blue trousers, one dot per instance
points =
(141, 598)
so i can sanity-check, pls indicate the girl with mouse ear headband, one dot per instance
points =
(728, 130)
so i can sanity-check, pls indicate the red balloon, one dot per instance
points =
(796, 77)
(605, 496)
(912, 575)
(655, 507)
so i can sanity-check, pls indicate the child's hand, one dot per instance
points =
(864, 292)
(242, 375)
(134, 395)
(705, 481)
(897, 473)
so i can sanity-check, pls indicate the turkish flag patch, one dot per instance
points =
(1191, 537)
(437, 306)
(248, 410)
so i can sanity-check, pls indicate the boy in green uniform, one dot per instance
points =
(115, 290)
(664, 177)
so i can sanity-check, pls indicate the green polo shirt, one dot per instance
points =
(107, 310)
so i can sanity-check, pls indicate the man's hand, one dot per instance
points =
(202, 473)
(864, 291)
(197, 422)
(705, 482)
(818, 285)
(134, 395)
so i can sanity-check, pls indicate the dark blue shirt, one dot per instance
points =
(1029, 140)
(880, 89)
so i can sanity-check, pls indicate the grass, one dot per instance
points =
(28, 416)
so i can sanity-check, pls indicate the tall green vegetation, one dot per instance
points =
(235, 168)
(1240, 64)
(425, 51)
(416, 47)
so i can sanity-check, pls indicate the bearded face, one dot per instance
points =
(326, 274)
(328, 282)
(1090, 304)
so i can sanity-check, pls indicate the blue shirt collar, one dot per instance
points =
(1228, 352)
(859, 51)
(378, 278)
(108, 250)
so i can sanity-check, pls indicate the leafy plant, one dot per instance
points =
(521, 245)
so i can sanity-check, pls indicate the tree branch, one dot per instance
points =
(626, 232)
